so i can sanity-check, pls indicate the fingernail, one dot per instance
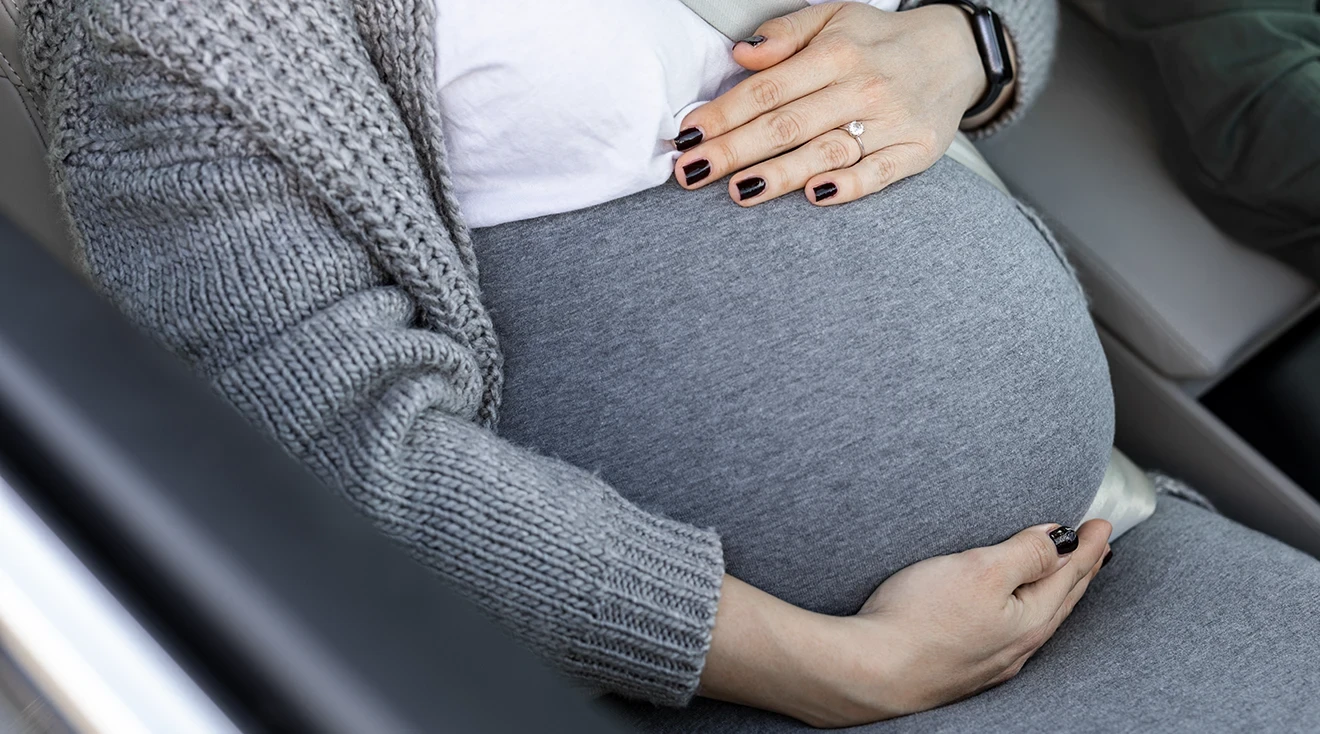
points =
(825, 191)
(688, 138)
(749, 187)
(1065, 539)
(754, 41)
(695, 171)
(1108, 555)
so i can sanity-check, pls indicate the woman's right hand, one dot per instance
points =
(933, 633)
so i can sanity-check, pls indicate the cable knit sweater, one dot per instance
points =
(262, 186)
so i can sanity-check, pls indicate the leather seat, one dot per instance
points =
(25, 192)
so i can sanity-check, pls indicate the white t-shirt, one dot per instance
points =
(555, 105)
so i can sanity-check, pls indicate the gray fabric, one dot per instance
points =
(1197, 624)
(262, 186)
(840, 392)
(244, 187)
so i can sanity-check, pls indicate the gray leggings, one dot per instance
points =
(843, 392)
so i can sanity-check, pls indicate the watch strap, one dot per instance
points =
(992, 45)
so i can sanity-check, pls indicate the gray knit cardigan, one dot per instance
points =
(262, 186)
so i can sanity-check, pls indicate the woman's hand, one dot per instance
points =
(908, 77)
(935, 632)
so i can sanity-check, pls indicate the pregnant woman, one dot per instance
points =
(795, 443)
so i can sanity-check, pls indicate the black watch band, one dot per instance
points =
(993, 47)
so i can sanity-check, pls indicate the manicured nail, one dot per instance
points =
(1065, 539)
(1108, 555)
(695, 171)
(825, 191)
(749, 187)
(688, 138)
(754, 41)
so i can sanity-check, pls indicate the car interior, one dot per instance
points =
(1209, 346)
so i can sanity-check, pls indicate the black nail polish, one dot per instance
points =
(825, 191)
(754, 41)
(688, 138)
(1108, 555)
(1065, 539)
(749, 187)
(695, 171)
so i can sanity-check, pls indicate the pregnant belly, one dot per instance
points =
(839, 392)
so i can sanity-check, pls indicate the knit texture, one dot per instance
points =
(1032, 25)
(262, 186)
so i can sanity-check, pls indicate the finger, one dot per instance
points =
(1074, 596)
(775, 132)
(1027, 556)
(779, 38)
(1043, 598)
(755, 96)
(869, 175)
(791, 171)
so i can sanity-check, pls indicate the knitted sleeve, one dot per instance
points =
(1032, 25)
(210, 234)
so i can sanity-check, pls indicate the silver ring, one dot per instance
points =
(855, 129)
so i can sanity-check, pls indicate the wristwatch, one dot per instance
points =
(993, 47)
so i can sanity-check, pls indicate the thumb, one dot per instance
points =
(779, 38)
(1033, 554)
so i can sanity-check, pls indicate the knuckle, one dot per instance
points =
(1082, 575)
(884, 169)
(1042, 552)
(713, 120)
(1034, 638)
(785, 128)
(766, 93)
(836, 154)
(839, 49)
(873, 91)
(1069, 605)
(724, 155)
(784, 26)
(929, 142)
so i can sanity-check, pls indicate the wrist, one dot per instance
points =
(771, 655)
(964, 56)
(849, 680)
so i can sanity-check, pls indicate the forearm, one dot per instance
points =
(769, 654)
(617, 598)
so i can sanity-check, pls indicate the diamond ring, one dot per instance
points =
(855, 129)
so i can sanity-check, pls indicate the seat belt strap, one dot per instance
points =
(739, 19)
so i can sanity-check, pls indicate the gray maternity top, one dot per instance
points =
(839, 392)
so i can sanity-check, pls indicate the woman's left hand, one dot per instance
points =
(907, 76)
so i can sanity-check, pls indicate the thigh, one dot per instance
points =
(1197, 623)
